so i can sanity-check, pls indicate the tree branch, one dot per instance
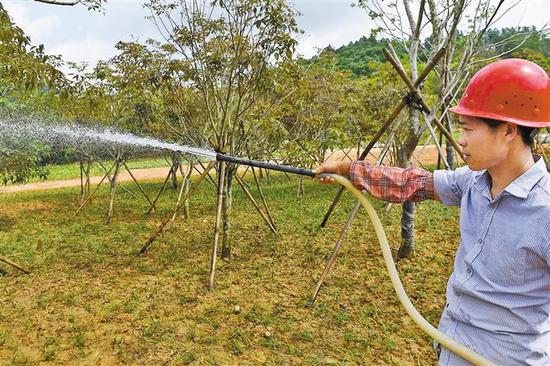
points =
(58, 2)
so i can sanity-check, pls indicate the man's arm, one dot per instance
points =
(387, 183)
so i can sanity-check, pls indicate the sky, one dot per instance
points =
(80, 35)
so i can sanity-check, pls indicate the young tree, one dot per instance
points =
(326, 111)
(227, 49)
(398, 20)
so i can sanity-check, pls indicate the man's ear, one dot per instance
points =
(510, 131)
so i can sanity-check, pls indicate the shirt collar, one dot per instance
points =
(522, 185)
(482, 182)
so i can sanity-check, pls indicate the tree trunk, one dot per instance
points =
(406, 150)
(221, 182)
(89, 197)
(87, 182)
(184, 189)
(439, 157)
(450, 152)
(176, 161)
(186, 184)
(404, 155)
(81, 165)
(113, 192)
(226, 208)
(407, 230)
(84, 179)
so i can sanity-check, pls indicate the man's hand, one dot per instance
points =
(332, 167)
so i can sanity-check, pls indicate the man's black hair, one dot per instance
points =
(527, 133)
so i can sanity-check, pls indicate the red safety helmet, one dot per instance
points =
(511, 90)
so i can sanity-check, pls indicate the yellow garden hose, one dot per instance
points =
(443, 339)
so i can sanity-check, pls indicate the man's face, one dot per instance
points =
(483, 147)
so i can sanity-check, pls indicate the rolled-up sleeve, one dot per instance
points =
(391, 183)
(450, 185)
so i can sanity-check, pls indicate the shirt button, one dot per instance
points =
(480, 241)
(469, 270)
(447, 305)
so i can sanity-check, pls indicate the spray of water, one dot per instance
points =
(88, 138)
(114, 137)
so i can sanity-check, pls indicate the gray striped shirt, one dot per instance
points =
(498, 296)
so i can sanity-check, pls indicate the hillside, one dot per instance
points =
(360, 56)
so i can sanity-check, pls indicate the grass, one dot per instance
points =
(90, 300)
(72, 170)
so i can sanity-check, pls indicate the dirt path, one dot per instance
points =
(427, 156)
(140, 174)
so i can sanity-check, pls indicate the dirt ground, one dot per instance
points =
(91, 300)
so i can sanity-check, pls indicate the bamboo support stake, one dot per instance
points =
(330, 155)
(255, 204)
(332, 258)
(244, 173)
(346, 155)
(385, 126)
(126, 190)
(176, 209)
(137, 183)
(419, 99)
(348, 223)
(245, 182)
(264, 201)
(221, 181)
(209, 177)
(118, 183)
(14, 265)
(186, 176)
(180, 194)
(160, 192)
(94, 191)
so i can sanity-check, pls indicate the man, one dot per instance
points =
(498, 296)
